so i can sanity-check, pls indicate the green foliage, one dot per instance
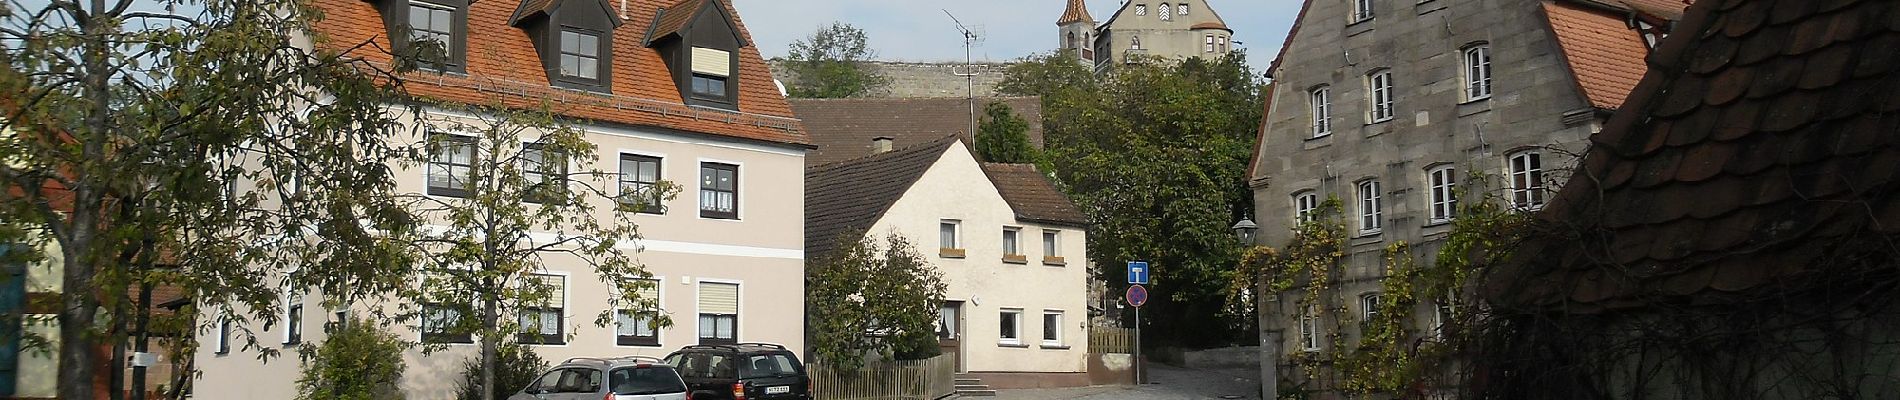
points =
(869, 298)
(359, 361)
(211, 137)
(830, 64)
(1003, 137)
(1046, 75)
(518, 366)
(1156, 155)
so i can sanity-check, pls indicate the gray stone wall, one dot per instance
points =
(922, 79)
(1421, 42)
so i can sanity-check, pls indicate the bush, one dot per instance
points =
(516, 366)
(358, 362)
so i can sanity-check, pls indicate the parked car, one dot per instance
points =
(744, 371)
(622, 378)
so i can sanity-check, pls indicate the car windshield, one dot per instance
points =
(767, 365)
(638, 381)
(702, 365)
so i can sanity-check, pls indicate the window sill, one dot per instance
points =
(1054, 261)
(1014, 345)
(1368, 234)
(1046, 346)
(1015, 259)
(950, 253)
(1436, 223)
(637, 343)
(1323, 136)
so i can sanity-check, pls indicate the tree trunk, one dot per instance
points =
(489, 319)
(78, 309)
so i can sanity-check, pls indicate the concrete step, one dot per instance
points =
(977, 393)
(968, 381)
(962, 386)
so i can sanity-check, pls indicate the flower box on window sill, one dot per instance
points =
(1015, 259)
(1054, 261)
(950, 253)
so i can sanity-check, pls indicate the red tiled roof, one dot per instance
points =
(675, 18)
(1210, 25)
(503, 68)
(843, 200)
(1605, 55)
(1078, 11)
(1761, 156)
(1032, 195)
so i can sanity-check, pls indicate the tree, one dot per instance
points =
(1047, 75)
(527, 195)
(1003, 137)
(866, 298)
(830, 64)
(205, 142)
(359, 361)
(518, 364)
(1156, 156)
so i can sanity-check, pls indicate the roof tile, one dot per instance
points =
(842, 129)
(1603, 52)
(1032, 195)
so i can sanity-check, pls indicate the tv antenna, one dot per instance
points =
(971, 39)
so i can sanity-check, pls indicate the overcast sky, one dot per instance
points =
(918, 30)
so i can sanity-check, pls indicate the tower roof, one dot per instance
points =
(1077, 12)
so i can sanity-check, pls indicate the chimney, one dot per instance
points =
(881, 144)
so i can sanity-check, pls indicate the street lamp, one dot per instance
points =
(1244, 230)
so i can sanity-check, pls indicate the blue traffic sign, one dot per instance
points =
(1137, 295)
(1138, 272)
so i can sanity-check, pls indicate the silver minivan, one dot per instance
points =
(621, 378)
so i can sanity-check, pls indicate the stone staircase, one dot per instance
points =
(972, 387)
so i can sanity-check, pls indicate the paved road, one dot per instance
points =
(1167, 383)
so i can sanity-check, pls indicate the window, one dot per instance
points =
(1444, 184)
(947, 234)
(1134, 42)
(639, 183)
(451, 165)
(293, 317)
(580, 54)
(636, 381)
(718, 313)
(1052, 328)
(1209, 47)
(1380, 85)
(1223, 45)
(1369, 207)
(1164, 12)
(224, 336)
(1012, 242)
(567, 380)
(544, 171)
(718, 191)
(712, 69)
(1052, 247)
(1441, 315)
(1141, 9)
(435, 37)
(1369, 306)
(1361, 10)
(1309, 329)
(1010, 322)
(439, 323)
(1527, 180)
(1181, 9)
(1477, 73)
(1322, 112)
(544, 323)
(635, 327)
(768, 366)
(947, 322)
(1304, 204)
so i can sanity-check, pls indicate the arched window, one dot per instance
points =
(1134, 42)
(1477, 71)
(1167, 14)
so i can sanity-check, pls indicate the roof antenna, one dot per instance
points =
(971, 39)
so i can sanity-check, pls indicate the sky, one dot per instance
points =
(918, 30)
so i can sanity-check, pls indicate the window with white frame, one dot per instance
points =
(1309, 329)
(947, 231)
(1527, 180)
(718, 190)
(543, 321)
(1322, 104)
(1379, 84)
(1012, 241)
(1052, 328)
(635, 327)
(1361, 10)
(441, 323)
(1134, 42)
(718, 313)
(1009, 324)
(1165, 13)
(224, 336)
(1477, 68)
(640, 183)
(1304, 204)
(1369, 306)
(544, 171)
(1209, 47)
(1051, 246)
(1181, 9)
(1444, 187)
(451, 164)
(1441, 314)
(293, 316)
(1370, 212)
(1141, 10)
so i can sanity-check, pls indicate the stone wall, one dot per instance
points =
(921, 79)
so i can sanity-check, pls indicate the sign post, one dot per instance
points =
(1137, 296)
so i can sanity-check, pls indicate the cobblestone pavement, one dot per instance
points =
(1166, 383)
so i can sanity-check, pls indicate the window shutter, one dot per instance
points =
(712, 62)
(718, 298)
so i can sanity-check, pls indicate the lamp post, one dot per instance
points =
(1269, 341)
(1244, 230)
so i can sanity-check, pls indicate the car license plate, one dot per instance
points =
(778, 390)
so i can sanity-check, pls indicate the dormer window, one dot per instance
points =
(700, 42)
(712, 68)
(574, 40)
(428, 34)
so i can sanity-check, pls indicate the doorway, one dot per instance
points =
(950, 331)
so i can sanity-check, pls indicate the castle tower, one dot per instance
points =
(1078, 30)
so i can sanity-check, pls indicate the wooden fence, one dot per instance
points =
(926, 379)
(1106, 340)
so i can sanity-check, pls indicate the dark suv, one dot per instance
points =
(745, 371)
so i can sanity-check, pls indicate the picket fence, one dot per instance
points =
(926, 379)
(1106, 340)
